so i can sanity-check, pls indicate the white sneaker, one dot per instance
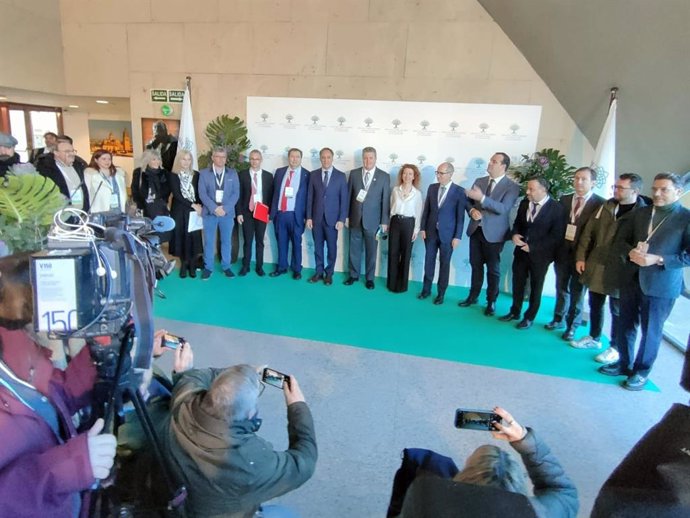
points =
(610, 355)
(586, 342)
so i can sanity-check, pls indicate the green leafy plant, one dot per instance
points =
(547, 163)
(230, 133)
(28, 202)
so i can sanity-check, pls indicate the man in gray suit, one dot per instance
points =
(489, 203)
(370, 191)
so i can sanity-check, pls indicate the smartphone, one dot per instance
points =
(472, 419)
(275, 378)
(172, 341)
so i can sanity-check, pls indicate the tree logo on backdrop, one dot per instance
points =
(264, 116)
(421, 159)
(314, 119)
(289, 118)
(453, 125)
(339, 154)
(341, 120)
(393, 157)
(263, 148)
(396, 123)
(450, 159)
(368, 121)
(424, 124)
(314, 152)
(483, 126)
(514, 128)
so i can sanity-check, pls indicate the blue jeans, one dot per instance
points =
(211, 223)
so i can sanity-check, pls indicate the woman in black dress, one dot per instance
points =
(151, 188)
(184, 183)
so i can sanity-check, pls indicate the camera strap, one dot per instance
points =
(30, 397)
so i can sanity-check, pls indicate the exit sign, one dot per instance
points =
(159, 96)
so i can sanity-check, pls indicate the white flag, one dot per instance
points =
(604, 162)
(186, 138)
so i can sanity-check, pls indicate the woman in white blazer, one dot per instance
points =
(106, 183)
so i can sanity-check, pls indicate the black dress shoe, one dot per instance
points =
(328, 280)
(555, 324)
(275, 274)
(370, 285)
(297, 276)
(467, 302)
(315, 278)
(244, 271)
(350, 281)
(423, 295)
(438, 300)
(568, 334)
(524, 324)
(192, 272)
(228, 273)
(260, 272)
(490, 309)
(183, 273)
(613, 369)
(509, 317)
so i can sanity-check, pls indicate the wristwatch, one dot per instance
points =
(660, 261)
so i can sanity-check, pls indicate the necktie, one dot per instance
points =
(325, 178)
(441, 192)
(490, 187)
(283, 200)
(578, 204)
(533, 214)
(251, 200)
(366, 179)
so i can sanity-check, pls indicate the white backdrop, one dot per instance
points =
(421, 133)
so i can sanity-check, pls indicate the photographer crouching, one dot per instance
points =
(44, 463)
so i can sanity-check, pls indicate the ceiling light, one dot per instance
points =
(101, 101)
(73, 106)
(3, 97)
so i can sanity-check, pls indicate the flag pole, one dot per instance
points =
(612, 97)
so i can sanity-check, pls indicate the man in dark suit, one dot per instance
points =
(288, 212)
(656, 242)
(62, 167)
(219, 191)
(579, 207)
(489, 203)
(441, 226)
(50, 141)
(326, 213)
(370, 198)
(537, 234)
(256, 186)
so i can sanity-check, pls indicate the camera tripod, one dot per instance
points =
(114, 386)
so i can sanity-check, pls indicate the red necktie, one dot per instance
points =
(251, 200)
(283, 200)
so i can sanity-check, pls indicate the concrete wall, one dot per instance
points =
(432, 50)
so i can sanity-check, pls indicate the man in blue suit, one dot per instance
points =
(327, 204)
(655, 241)
(491, 199)
(443, 218)
(219, 190)
(288, 211)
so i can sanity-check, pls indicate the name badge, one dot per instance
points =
(642, 247)
(114, 201)
(361, 195)
(289, 192)
(219, 195)
(570, 232)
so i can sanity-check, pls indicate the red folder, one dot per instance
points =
(261, 212)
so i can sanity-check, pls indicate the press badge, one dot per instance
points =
(219, 195)
(570, 232)
(642, 247)
(361, 195)
(114, 201)
(289, 191)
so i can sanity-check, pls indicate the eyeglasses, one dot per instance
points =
(621, 188)
(442, 172)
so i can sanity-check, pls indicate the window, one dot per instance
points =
(28, 123)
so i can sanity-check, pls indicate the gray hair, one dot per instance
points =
(369, 149)
(449, 167)
(147, 156)
(219, 149)
(491, 466)
(233, 394)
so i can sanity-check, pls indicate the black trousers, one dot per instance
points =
(399, 252)
(253, 230)
(596, 316)
(570, 293)
(482, 252)
(524, 267)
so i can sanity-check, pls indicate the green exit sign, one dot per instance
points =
(175, 96)
(159, 96)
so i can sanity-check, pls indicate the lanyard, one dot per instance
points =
(219, 180)
(652, 230)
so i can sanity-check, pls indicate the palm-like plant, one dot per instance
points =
(230, 133)
(548, 163)
(28, 203)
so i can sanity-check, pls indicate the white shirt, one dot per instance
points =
(258, 185)
(495, 180)
(72, 179)
(410, 205)
(539, 205)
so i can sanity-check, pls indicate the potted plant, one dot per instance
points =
(547, 163)
(230, 133)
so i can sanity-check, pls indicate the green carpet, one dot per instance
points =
(377, 319)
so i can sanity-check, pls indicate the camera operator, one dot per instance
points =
(44, 462)
(229, 470)
(423, 485)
